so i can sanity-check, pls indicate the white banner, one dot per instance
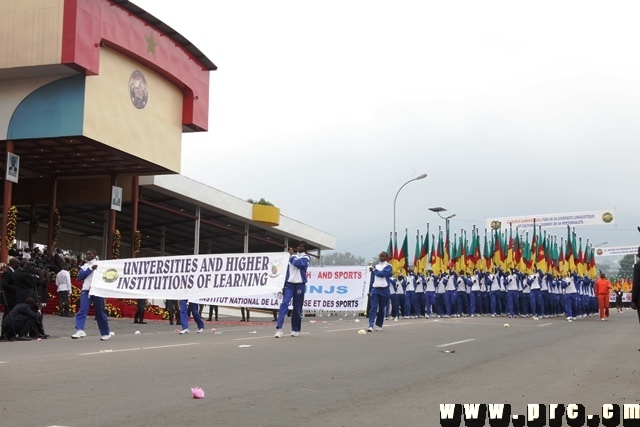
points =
(191, 277)
(328, 289)
(572, 219)
(616, 250)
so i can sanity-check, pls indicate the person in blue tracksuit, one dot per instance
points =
(461, 295)
(420, 299)
(450, 293)
(410, 295)
(86, 274)
(295, 283)
(511, 281)
(535, 294)
(570, 297)
(400, 289)
(476, 299)
(430, 294)
(393, 297)
(440, 292)
(190, 308)
(493, 282)
(379, 291)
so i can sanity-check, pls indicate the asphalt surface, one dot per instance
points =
(328, 376)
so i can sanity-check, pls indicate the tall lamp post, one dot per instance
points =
(441, 209)
(423, 176)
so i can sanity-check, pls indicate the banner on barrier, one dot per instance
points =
(616, 250)
(328, 289)
(191, 276)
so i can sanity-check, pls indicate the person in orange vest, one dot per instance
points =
(603, 289)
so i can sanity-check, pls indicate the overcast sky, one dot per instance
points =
(326, 108)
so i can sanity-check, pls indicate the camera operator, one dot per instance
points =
(40, 277)
(23, 316)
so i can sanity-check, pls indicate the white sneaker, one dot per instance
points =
(294, 333)
(79, 334)
(200, 330)
(184, 331)
(278, 333)
(378, 328)
(105, 337)
(370, 329)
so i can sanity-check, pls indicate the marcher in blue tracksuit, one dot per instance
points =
(400, 290)
(294, 288)
(535, 294)
(86, 274)
(450, 293)
(476, 298)
(461, 295)
(420, 299)
(440, 292)
(410, 295)
(570, 297)
(393, 295)
(430, 294)
(379, 291)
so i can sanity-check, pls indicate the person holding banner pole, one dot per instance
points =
(86, 274)
(295, 283)
(379, 291)
(192, 308)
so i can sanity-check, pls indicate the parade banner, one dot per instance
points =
(616, 250)
(191, 276)
(328, 289)
(572, 219)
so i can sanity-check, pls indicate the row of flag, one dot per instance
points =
(499, 249)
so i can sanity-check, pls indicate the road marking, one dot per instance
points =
(308, 389)
(546, 324)
(253, 338)
(172, 345)
(3, 362)
(136, 349)
(386, 325)
(454, 343)
(109, 351)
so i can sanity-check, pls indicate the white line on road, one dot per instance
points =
(454, 343)
(4, 362)
(135, 349)
(252, 338)
(109, 351)
(172, 345)
(546, 324)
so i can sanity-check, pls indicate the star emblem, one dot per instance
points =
(151, 44)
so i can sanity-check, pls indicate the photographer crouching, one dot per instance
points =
(20, 320)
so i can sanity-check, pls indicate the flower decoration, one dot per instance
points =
(137, 241)
(112, 310)
(115, 246)
(12, 223)
(57, 226)
(197, 392)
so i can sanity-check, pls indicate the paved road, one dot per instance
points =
(329, 376)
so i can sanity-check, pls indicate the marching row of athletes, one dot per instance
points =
(501, 293)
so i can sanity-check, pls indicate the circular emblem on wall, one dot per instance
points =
(599, 251)
(607, 217)
(138, 91)
(496, 225)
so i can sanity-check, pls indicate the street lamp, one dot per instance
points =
(441, 209)
(424, 175)
(600, 244)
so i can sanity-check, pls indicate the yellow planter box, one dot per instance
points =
(269, 215)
